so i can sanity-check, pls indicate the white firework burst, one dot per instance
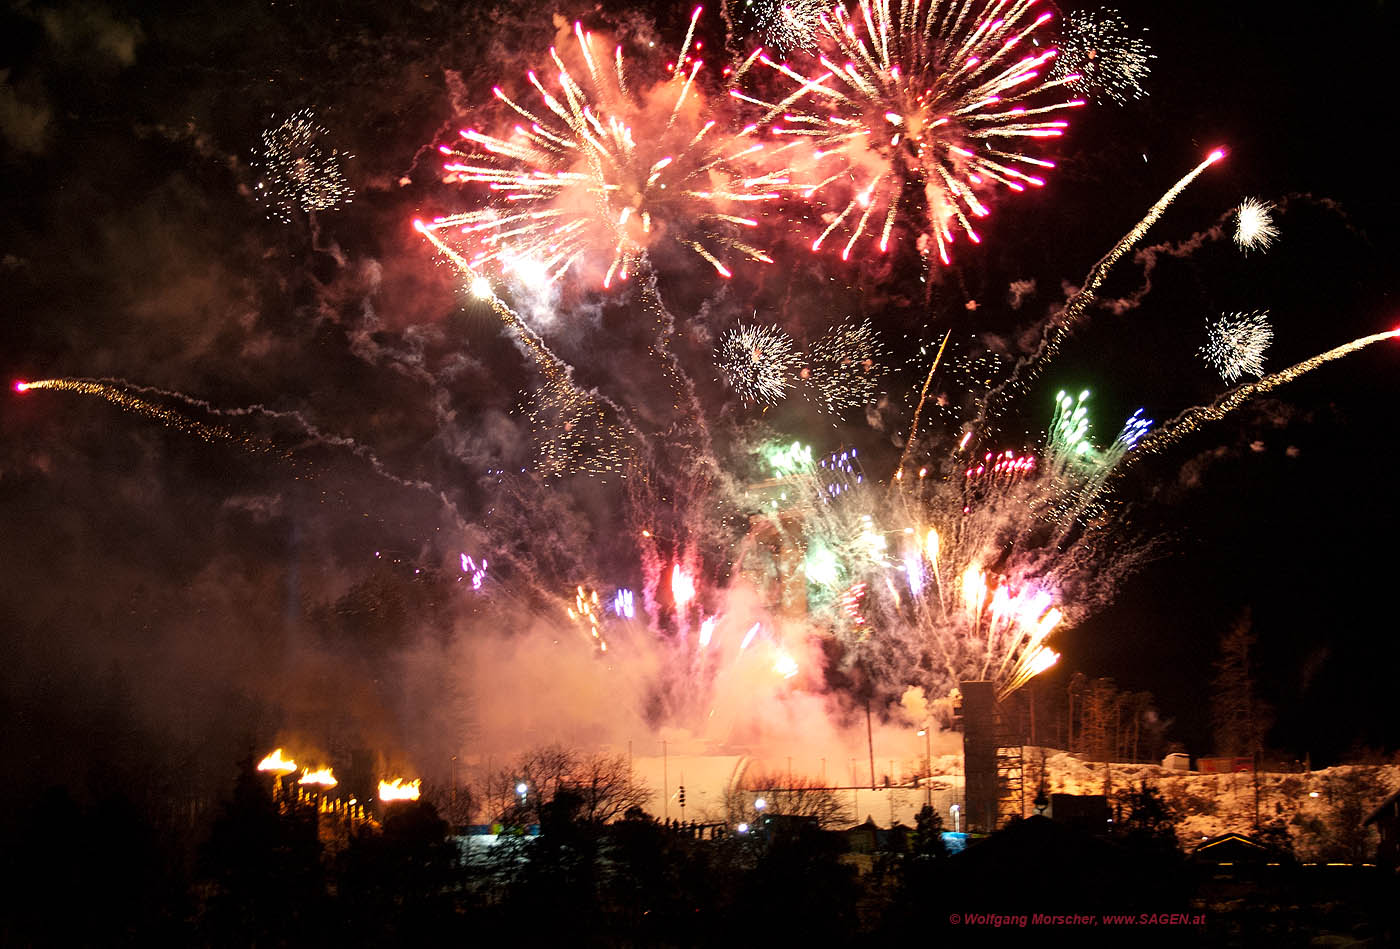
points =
(842, 367)
(758, 361)
(1254, 226)
(1236, 342)
(793, 24)
(296, 170)
(1109, 57)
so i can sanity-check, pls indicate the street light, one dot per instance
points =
(760, 804)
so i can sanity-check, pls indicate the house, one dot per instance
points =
(1232, 849)
(871, 838)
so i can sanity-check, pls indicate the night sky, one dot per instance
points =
(168, 596)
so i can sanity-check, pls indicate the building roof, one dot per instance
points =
(1390, 803)
(1232, 848)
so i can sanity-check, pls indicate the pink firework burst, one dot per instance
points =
(943, 96)
(599, 175)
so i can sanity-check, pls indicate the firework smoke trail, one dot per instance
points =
(519, 597)
(1078, 304)
(600, 174)
(1193, 418)
(119, 393)
(128, 396)
(689, 431)
(934, 93)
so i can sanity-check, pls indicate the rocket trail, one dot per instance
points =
(1193, 418)
(1079, 304)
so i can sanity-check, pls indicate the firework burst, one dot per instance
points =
(759, 362)
(1109, 57)
(572, 433)
(1254, 226)
(1235, 344)
(841, 367)
(600, 174)
(904, 579)
(793, 24)
(297, 171)
(925, 95)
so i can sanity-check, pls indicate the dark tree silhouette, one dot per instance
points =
(401, 883)
(603, 784)
(800, 893)
(261, 870)
(1240, 720)
(553, 879)
(927, 840)
(88, 876)
(1145, 820)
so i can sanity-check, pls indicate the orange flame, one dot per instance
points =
(397, 790)
(277, 764)
(323, 777)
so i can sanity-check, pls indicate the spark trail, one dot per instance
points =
(1078, 304)
(1193, 418)
(570, 427)
(120, 394)
(135, 398)
(923, 394)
